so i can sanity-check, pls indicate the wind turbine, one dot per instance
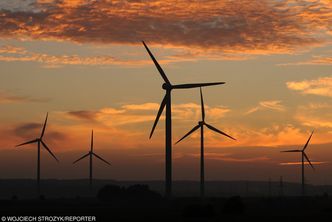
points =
(166, 102)
(201, 125)
(303, 156)
(40, 141)
(90, 154)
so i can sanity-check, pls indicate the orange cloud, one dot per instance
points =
(128, 126)
(267, 105)
(316, 60)
(241, 26)
(10, 53)
(316, 115)
(10, 49)
(321, 86)
(9, 98)
(132, 113)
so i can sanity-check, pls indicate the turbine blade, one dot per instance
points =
(305, 146)
(218, 131)
(45, 146)
(32, 141)
(202, 104)
(291, 151)
(161, 71)
(196, 85)
(101, 159)
(43, 131)
(305, 155)
(160, 111)
(190, 132)
(81, 158)
(91, 148)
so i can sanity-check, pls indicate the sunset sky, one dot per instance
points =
(83, 62)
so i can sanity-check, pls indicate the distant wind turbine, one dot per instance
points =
(201, 125)
(90, 154)
(40, 141)
(304, 156)
(281, 186)
(166, 102)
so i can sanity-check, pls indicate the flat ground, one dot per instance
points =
(177, 209)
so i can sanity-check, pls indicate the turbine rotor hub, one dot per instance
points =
(167, 86)
(200, 123)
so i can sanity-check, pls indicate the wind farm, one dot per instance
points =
(165, 110)
(103, 193)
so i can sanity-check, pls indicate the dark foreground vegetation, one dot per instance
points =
(139, 203)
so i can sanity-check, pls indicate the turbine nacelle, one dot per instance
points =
(167, 86)
(201, 123)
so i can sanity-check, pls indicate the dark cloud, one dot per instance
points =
(27, 129)
(83, 114)
(250, 26)
(33, 130)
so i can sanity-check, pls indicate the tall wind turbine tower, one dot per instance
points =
(90, 154)
(39, 142)
(303, 157)
(166, 102)
(201, 125)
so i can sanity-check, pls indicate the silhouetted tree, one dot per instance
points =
(14, 197)
(198, 210)
(42, 197)
(325, 195)
(110, 193)
(234, 205)
(141, 193)
(135, 193)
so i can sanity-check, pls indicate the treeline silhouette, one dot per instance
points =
(52, 188)
(137, 192)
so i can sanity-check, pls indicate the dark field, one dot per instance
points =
(178, 209)
(123, 201)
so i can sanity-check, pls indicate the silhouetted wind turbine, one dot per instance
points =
(166, 102)
(40, 141)
(90, 154)
(281, 186)
(304, 156)
(201, 125)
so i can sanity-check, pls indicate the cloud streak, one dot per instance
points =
(7, 98)
(136, 113)
(315, 60)
(267, 105)
(231, 158)
(9, 53)
(300, 163)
